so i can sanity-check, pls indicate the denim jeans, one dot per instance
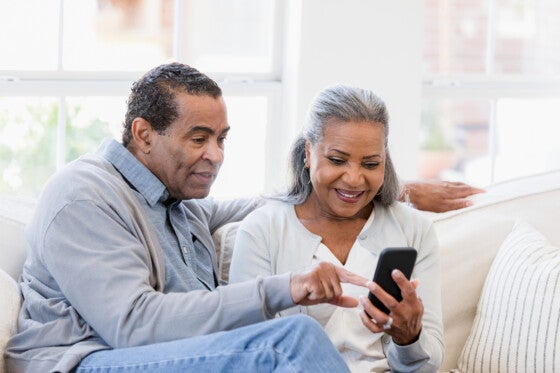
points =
(289, 344)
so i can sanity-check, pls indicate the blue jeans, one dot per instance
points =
(288, 344)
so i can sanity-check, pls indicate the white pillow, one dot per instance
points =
(517, 323)
(10, 301)
(224, 239)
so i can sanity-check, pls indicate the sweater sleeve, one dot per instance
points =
(105, 276)
(426, 354)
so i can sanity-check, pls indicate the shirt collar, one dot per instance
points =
(137, 175)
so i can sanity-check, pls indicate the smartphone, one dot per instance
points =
(401, 258)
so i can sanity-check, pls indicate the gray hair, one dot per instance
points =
(346, 104)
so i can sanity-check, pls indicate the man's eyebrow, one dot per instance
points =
(208, 130)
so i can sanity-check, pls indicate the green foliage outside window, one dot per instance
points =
(29, 146)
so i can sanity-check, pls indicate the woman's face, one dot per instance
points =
(346, 167)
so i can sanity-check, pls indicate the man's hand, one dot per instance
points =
(439, 196)
(321, 284)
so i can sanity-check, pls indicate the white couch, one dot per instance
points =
(506, 219)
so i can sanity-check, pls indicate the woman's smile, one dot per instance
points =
(349, 196)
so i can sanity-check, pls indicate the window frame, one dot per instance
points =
(61, 84)
(490, 86)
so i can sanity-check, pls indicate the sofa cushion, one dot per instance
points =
(517, 328)
(14, 215)
(470, 238)
(224, 239)
(10, 301)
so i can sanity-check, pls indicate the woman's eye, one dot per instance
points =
(371, 165)
(336, 161)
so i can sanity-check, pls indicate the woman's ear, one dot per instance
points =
(307, 151)
(142, 134)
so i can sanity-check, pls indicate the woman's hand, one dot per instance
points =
(404, 321)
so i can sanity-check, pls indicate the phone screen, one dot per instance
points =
(401, 258)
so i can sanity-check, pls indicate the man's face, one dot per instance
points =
(187, 156)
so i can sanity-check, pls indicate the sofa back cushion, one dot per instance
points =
(517, 328)
(14, 215)
(470, 238)
(10, 301)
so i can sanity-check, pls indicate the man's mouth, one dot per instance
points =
(206, 176)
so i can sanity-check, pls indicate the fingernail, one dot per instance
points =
(396, 273)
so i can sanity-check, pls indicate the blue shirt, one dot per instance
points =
(188, 264)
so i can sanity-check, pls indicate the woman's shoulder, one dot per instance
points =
(274, 217)
(407, 215)
(271, 208)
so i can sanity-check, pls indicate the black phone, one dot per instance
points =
(401, 258)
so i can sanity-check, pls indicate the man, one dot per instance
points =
(121, 266)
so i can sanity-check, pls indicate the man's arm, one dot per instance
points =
(438, 196)
(104, 270)
(220, 212)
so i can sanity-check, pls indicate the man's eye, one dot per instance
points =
(222, 139)
(199, 140)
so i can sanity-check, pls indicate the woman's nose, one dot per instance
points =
(353, 176)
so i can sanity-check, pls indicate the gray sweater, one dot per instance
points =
(96, 275)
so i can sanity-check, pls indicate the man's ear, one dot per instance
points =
(142, 134)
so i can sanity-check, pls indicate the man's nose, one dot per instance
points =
(214, 153)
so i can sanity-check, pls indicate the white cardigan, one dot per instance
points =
(271, 240)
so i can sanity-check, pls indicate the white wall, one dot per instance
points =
(375, 44)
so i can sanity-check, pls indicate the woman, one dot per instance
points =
(342, 207)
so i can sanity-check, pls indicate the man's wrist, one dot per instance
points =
(405, 197)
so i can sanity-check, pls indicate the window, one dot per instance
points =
(491, 89)
(67, 67)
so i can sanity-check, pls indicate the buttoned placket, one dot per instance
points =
(178, 219)
(180, 224)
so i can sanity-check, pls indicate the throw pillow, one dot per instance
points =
(224, 239)
(517, 323)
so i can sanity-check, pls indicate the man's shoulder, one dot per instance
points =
(89, 177)
(83, 174)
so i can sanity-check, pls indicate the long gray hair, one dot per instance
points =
(346, 104)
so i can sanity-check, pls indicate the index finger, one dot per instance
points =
(350, 277)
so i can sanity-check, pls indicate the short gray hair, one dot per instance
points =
(346, 104)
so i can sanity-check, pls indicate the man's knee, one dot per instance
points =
(305, 326)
